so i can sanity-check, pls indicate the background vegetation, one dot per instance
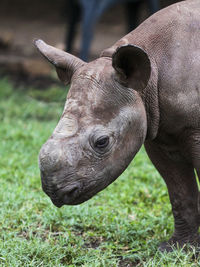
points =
(121, 226)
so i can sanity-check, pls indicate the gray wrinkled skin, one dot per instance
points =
(88, 115)
(145, 89)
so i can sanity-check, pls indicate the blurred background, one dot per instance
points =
(81, 27)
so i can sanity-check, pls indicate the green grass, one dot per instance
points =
(121, 226)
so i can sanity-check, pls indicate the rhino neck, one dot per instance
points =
(150, 98)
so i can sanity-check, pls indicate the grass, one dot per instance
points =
(121, 226)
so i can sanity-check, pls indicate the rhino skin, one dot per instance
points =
(145, 89)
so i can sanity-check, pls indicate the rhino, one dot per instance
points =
(145, 89)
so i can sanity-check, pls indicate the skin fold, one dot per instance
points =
(145, 89)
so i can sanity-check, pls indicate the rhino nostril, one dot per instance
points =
(72, 191)
(68, 192)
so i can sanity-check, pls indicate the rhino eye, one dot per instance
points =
(102, 142)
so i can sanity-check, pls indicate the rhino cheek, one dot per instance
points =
(130, 128)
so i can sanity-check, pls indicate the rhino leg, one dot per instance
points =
(198, 174)
(180, 179)
(191, 149)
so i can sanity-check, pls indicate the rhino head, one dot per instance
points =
(103, 124)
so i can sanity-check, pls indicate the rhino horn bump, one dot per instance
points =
(65, 63)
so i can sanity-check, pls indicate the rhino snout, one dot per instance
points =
(50, 157)
(57, 174)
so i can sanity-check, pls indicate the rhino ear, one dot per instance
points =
(132, 66)
(65, 63)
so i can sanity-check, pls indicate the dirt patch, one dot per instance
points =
(128, 263)
(94, 242)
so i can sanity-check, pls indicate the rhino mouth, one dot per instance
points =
(58, 203)
(68, 195)
(74, 193)
(75, 200)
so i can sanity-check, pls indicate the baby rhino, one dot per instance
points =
(145, 89)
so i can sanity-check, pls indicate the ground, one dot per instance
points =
(121, 226)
